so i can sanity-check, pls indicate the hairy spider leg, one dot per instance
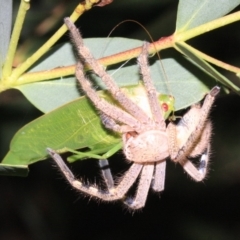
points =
(199, 137)
(118, 192)
(113, 88)
(106, 173)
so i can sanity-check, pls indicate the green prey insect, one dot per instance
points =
(137, 94)
(146, 139)
(75, 125)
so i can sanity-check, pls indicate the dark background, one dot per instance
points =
(43, 205)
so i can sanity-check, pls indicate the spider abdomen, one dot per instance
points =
(149, 146)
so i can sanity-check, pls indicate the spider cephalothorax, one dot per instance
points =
(147, 141)
(144, 147)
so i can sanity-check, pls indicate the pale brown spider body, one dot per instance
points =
(147, 141)
(145, 147)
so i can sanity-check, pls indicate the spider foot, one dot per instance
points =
(133, 204)
(202, 168)
(214, 91)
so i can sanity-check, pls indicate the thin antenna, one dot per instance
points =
(158, 54)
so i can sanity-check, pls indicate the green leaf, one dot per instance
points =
(49, 95)
(192, 13)
(74, 125)
(187, 51)
(13, 170)
(5, 29)
(45, 95)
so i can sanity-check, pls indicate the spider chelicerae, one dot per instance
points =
(147, 141)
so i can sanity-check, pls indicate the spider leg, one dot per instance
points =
(201, 147)
(198, 173)
(185, 136)
(180, 133)
(193, 133)
(114, 193)
(111, 124)
(203, 141)
(106, 173)
(143, 188)
(151, 90)
(116, 92)
(204, 161)
(159, 176)
(194, 136)
(104, 106)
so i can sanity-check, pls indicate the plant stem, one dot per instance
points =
(214, 61)
(217, 23)
(24, 6)
(105, 61)
(161, 44)
(78, 11)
